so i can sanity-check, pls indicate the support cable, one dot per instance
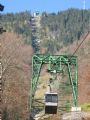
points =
(81, 43)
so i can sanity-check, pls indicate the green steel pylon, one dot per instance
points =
(55, 63)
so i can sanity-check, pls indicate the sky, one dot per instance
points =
(13, 6)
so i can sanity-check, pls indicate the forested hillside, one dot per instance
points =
(16, 60)
(57, 30)
(64, 27)
(59, 33)
(18, 23)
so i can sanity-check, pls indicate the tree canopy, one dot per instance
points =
(57, 30)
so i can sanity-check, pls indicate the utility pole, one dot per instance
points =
(0, 83)
(1, 90)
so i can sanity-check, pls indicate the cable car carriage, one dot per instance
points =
(51, 103)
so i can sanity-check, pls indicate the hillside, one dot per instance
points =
(63, 28)
(61, 33)
(57, 29)
(84, 72)
(17, 74)
(16, 59)
(83, 54)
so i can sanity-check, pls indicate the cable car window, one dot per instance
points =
(48, 98)
(54, 98)
(51, 98)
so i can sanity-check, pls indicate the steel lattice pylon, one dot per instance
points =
(55, 63)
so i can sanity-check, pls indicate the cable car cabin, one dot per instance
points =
(51, 103)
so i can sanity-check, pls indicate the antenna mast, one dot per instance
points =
(84, 4)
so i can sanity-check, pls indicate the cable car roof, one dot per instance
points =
(51, 93)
